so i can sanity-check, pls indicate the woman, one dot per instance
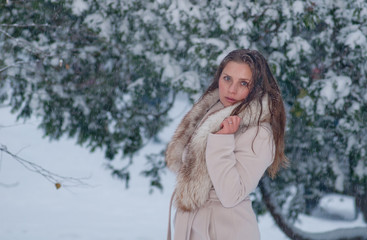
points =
(222, 148)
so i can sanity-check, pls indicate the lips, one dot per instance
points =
(231, 100)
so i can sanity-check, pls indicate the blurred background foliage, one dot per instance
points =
(108, 72)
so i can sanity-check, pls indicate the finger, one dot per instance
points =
(236, 120)
(230, 120)
(235, 123)
(227, 124)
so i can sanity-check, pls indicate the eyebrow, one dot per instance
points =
(241, 79)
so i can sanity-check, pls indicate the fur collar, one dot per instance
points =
(193, 181)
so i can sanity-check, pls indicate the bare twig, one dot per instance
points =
(11, 125)
(8, 185)
(16, 64)
(54, 178)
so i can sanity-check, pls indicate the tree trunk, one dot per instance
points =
(361, 202)
(358, 233)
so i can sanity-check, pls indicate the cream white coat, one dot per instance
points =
(216, 173)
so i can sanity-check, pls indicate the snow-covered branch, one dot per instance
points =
(26, 25)
(16, 64)
(27, 45)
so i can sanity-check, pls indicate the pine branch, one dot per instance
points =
(27, 45)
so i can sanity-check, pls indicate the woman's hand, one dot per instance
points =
(229, 125)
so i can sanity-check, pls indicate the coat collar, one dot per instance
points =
(193, 181)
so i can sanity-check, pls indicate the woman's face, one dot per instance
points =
(234, 83)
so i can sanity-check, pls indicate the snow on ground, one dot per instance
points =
(34, 209)
(105, 210)
(317, 225)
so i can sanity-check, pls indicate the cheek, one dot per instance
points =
(243, 94)
(222, 87)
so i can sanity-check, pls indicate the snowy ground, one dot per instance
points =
(105, 210)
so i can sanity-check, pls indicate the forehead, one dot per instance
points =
(240, 70)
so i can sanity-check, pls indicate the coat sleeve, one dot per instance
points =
(235, 165)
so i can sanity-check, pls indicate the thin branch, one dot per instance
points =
(8, 185)
(11, 125)
(20, 150)
(27, 45)
(256, 17)
(27, 25)
(16, 64)
(6, 34)
(54, 178)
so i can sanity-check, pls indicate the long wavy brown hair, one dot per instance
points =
(262, 83)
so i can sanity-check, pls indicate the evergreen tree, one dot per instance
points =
(107, 73)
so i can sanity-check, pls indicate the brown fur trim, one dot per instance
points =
(185, 130)
(193, 181)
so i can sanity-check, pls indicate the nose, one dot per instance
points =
(232, 88)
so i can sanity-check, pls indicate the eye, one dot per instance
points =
(227, 78)
(244, 83)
